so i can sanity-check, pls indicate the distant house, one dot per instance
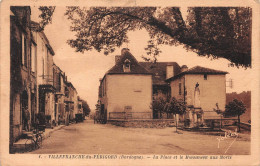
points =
(59, 84)
(80, 106)
(126, 90)
(201, 88)
(71, 102)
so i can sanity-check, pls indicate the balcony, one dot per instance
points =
(47, 79)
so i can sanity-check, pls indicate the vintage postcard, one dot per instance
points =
(130, 82)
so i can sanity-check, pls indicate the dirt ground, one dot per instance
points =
(90, 138)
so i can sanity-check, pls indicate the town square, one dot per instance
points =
(130, 80)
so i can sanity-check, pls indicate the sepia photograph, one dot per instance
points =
(131, 82)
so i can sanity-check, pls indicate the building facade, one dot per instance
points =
(128, 89)
(23, 83)
(201, 88)
(161, 89)
(39, 89)
(80, 107)
(45, 77)
(125, 91)
(70, 101)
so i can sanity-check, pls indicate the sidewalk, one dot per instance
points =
(19, 146)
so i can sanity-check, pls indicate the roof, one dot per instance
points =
(35, 26)
(203, 70)
(199, 70)
(135, 67)
(70, 85)
(159, 70)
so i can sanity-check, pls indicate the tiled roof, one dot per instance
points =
(203, 70)
(199, 70)
(159, 70)
(135, 67)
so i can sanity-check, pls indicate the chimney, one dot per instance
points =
(184, 68)
(124, 50)
(117, 57)
(169, 71)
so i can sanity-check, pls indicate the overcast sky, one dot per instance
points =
(84, 70)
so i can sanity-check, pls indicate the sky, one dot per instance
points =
(85, 70)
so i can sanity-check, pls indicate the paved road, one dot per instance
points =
(89, 138)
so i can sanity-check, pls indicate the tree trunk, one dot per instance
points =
(176, 122)
(238, 123)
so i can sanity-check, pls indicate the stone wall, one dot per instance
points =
(153, 123)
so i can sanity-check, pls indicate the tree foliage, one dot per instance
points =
(158, 106)
(86, 108)
(46, 16)
(216, 32)
(235, 108)
(176, 106)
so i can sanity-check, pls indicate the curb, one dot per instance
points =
(20, 147)
(48, 134)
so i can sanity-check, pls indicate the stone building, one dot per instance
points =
(23, 83)
(59, 85)
(160, 72)
(37, 85)
(75, 102)
(201, 88)
(80, 106)
(126, 90)
(45, 77)
(70, 102)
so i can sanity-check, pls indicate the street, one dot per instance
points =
(90, 138)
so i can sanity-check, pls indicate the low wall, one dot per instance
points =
(151, 123)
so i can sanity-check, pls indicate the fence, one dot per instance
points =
(130, 115)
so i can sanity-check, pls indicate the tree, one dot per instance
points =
(176, 107)
(235, 108)
(46, 16)
(158, 106)
(86, 109)
(216, 32)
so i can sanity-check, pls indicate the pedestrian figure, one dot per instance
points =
(37, 122)
(26, 118)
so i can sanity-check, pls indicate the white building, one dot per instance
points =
(126, 90)
(201, 88)
(46, 95)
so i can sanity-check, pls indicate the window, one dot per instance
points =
(205, 76)
(43, 68)
(179, 88)
(66, 92)
(33, 58)
(128, 108)
(24, 50)
(103, 89)
(126, 66)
